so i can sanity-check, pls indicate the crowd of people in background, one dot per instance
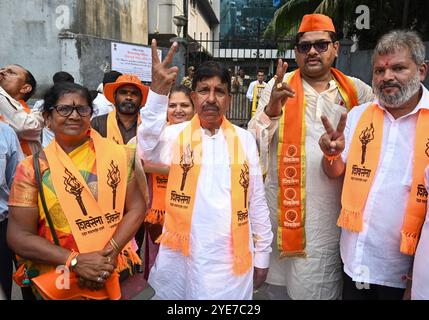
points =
(323, 197)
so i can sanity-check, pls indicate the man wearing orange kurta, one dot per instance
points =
(304, 203)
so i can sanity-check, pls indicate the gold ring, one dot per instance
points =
(109, 260)
(279, 85)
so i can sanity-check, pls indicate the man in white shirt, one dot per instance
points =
(382, 151)
(260, 83)
(420, 276)
(305, 264)
(17, 85)
(209, 269)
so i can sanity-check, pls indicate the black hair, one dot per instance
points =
(111, 77)
(210, 69)
(29, 79)
(332, 35)
(62, 76)
(184, 89)
(57, 91)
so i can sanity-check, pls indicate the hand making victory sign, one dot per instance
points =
(163, 77)
(332, 144)
(281, 91)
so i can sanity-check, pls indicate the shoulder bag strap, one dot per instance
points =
(42, 197)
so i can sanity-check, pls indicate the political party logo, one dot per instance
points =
(290, 172)
(291, 155)
(366, 136)
(113, 180)
(290, 194)
(75, 188)
(292, 151)
(186, 163)
(245, 181)
(291, 216)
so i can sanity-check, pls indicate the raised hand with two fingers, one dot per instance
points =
(281, 91)
(163, 76)
(333, 142)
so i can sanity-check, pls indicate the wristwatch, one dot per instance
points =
(73, 263)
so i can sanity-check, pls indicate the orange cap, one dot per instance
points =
(126, 79)
(316, 22)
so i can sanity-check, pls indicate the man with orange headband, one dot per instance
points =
(382, 150)
(304, 203)
(17, 85)
(128, 95)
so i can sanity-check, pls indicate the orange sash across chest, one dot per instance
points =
(113, 131)
(92, 221)
(362, 164)
(182, 190)
(291, 153)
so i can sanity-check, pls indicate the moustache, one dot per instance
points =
(312, 59)
(390, 85)
(128, 104)
(210, 107)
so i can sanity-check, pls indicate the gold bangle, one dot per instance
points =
(115, 245)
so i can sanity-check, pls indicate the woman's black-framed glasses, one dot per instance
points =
(66, 110)
(320, 47)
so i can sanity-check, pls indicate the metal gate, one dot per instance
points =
(250, 55)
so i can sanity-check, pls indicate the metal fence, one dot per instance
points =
(240, 110)
(248, 54)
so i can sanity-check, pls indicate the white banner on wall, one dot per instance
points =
(133, 59)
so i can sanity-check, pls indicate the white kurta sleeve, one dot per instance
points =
(262, 127)
(259, 213)
(28, 126)
(249, 94)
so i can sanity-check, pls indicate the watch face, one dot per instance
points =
(73, 263)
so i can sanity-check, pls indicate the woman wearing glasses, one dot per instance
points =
(75, 207)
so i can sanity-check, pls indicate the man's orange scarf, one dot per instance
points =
(181, 193)
(113, 131)
(24, 143)
(92, 221)
(291, 154)
(362, 165)
(156, 213)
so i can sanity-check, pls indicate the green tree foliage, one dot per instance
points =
(385, 15)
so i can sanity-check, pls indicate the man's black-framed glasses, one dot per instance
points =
(65, 110)
(320, 46)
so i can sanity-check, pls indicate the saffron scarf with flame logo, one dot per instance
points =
(291, 156)
(182, 186)
(156, 213)
(362, 165)
(92, 221)
(113, 131)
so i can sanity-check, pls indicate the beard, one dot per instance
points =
(405, 93)
(128, 107)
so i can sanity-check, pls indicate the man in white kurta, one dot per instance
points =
(318, 275)
(207, 273)
(374, 266)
